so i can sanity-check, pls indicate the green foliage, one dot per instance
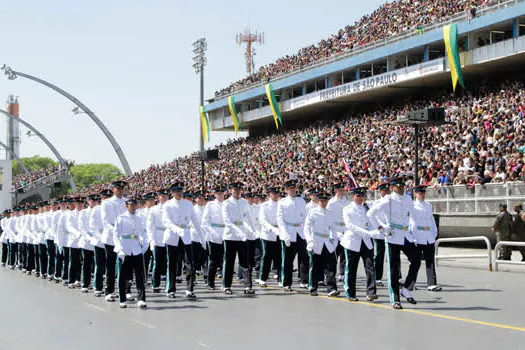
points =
(33, 164)
(88, 174)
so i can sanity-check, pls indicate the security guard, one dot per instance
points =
(518, 228)
(291, 214)
(213, 228)
(397, 209)
(357, 242)
(320, 231)
(131, 243)
(177, 214)
(238, 228)
(336, 205)
(271, 247)
(97, 228)
(502, 227)
(110, 209)
(424, 229)
(155, 231)
(379, 242)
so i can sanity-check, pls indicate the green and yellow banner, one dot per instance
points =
(273, 105)
(450, 34)
(233, 113)
(205, 125)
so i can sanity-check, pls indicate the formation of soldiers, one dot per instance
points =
(104, 239)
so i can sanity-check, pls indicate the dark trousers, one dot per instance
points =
(100, 268)
(111, 261)
(50, 245)
(198, 252)
(87, 266)
(288, 254)
(352, 262)
(216, 253)
(159, 265)
(318, 262)
(65, 264)
(5, 252)
(175, 254)
(36, 250)
(429, 252)
(59, 261)
(341, 261)
(303, 260)
(13, 252)
(131, 265)
(379, 258)
(42, 252)
(75, 264)
(231, 250)
(271, 251)
(394, 262)
(257, 254)
(30, 257)
(250, 251)
(22, 256)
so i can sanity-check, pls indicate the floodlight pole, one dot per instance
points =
(416, 137)
(200, 47)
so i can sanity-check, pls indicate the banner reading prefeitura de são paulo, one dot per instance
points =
(361, 85)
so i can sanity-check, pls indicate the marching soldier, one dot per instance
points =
(238, 228)
(177, 214)
(42, 225)
(357, 243)
(50, 239)
(197, 241)
(312, 195)
(291, 214)
(213, 227)
(57, 225)
(155, 231)
(130, 245)
(424, 229)
(336, 205)
(271, 247)
(379, 242)
(110, 209)
(74, 235)
(85, 242)
(4, 234)
(502, 227)
(397, 209)
(320, 231)
(97, 228)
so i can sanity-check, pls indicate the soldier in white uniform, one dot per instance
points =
(43, 228)
(238, 228)
(252, 237)
(291, 214)
(198, 240)
(13, 245)
(177, 215)
(155, 231)
(320, 231)
(271, 247)
(357, 242)
(379, 242)
(131, 243)
(213, 228)
(148, 203)
(74, 235)
(85, 242)
(96, 228)
(57, 224)
(314, 201)
(4, 235)
(397, 209)
(110, 209)
(336, 205)
(50, 239)
(423, 227)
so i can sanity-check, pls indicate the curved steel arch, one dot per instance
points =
(46, 141)
(14, 155)
(11, 74)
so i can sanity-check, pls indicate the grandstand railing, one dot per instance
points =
(480, 11)
(53, 177)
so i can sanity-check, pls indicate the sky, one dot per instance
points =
(130, 63)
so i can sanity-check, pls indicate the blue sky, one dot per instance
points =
(130, 62)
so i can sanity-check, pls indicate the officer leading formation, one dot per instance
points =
(104, 239)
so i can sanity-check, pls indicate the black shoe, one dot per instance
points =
(313, 293)
(397, 306)
(412, 301)
(371, 298)
(249, 291)
(228, 291)
(352, 299)
(211, 287)
(190, 295)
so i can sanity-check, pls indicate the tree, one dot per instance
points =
(33, 164)
(88, 174)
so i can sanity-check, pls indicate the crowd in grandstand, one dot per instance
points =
(389, 19)
(27, 178)
(484, 143)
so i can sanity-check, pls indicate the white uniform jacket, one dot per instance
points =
(373, 212)
(422, 223)
(177, 216)
(155, 227)
(72, 228)
(254, 212)
(110, 209)
(237, 219)
(96, 227)
(198, 236)
(291, 214)
(320, 229)
(4, 223)
(212, 222)
(393, 213)
(85, 231)
(268, 220)
(130, 235)
(359, 228)
(337, 205)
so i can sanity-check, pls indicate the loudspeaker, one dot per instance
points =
(436, 114)
(56, 184)
(212, 154)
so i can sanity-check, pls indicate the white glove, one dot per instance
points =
(151, 246)
(121, 256)
(287, 242)
(310, 246)
(60, 250)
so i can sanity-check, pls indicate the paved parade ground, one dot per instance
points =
(476, 308)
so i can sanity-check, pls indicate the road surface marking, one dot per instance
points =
(144, 324)
(91, 306)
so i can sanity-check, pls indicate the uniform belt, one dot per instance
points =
(217, 225)
(340, 223)
(322, 235)
(237, 223)
(129, 237)
(399, 227)
(182, 226)
(294, 225)
(423, 228)
(160, 228)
